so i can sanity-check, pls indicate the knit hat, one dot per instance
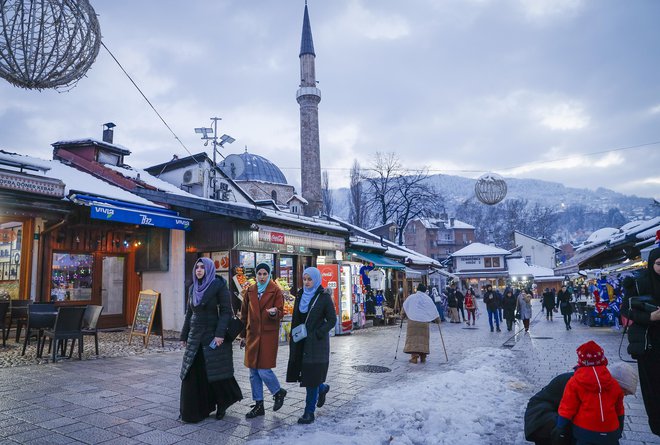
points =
(263, 266)
(590, 354)
(625, 375)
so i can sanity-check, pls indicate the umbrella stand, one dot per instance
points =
(443, 342)
(399, 340)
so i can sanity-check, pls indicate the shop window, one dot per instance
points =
(11, 234)
(152, 251)
(71, 277)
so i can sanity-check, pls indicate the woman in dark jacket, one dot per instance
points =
(548, 303)
(207, 372)
(644, 335)
(309, 358)
(509, 305)
(564, 302)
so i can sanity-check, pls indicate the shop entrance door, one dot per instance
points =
(112, 290)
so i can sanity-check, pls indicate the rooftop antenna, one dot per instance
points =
(211, 134)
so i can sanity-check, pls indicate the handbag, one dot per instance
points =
(300, 332)
(235, 325)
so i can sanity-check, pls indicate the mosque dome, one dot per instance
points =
(258, 168)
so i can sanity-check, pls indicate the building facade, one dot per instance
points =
(438, 238)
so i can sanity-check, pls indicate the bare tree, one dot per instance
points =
(357, 213)
(415, 197)
(328, 200)
(382, 179)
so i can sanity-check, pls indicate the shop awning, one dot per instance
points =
(126, 212)
(412, 273)
(378, 260)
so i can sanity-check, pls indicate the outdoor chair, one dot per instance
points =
(40, 317)
(18, 313)
(4, 310)
(68, 326)
(90, 323)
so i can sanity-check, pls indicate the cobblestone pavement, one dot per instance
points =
(133, 398)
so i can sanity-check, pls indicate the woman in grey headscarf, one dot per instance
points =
(420, 310)
(207, 372)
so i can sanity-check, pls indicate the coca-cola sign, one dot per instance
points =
(271, 237)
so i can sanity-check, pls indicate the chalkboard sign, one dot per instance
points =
(148, 318)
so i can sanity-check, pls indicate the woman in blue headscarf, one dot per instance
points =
(207, 372)
(309, 358)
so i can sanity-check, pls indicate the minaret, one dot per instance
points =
(308, 96)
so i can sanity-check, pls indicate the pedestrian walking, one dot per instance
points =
(644, 334)
(452, 305)
(541, 412)
(524, 308)
(500, 307)
(420, 311)
(549, 304)
(460, 299)
(261, 312)
(437, 299)
(471, 307)
(309, 358)
(565, 308)
(207, 371)
(491, 306)
(591, 408)
(509, 303)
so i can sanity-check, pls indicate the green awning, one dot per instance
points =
(378, 260)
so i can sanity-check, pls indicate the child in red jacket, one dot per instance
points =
(592, 400)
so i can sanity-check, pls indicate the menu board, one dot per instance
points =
(148, 317)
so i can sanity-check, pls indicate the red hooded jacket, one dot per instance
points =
(593, 400)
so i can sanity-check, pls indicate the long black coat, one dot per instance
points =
(564, 302)
(541, 413)
(309, 358)
(203, 322)
(509, 305)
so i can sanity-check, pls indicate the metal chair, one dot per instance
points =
(18, 312)
(90, 322)
(40, 316)
(4, 310)
(68, 326)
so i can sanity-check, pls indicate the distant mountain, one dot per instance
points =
(553, 195)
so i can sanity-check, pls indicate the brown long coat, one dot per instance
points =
(262, 330)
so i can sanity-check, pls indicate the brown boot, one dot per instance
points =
(413, 358)
(422, 358)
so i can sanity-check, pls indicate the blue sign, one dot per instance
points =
(138, 216)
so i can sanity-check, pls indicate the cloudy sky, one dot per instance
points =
(526, 88)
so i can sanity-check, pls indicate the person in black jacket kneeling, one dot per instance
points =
(309, 358)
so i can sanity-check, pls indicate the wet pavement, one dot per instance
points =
(134, 399)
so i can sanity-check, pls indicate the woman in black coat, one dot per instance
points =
(644, 335)
(309, 358)
(207, 372)
(564, 302)
(509, 302)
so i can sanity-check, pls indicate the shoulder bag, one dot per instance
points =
(300, 332)
(235, 325)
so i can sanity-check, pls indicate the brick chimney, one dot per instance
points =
(107, 132)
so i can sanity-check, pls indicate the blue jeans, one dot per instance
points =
(493, 314)
(313, 396)
(441, 311)
(257, 379)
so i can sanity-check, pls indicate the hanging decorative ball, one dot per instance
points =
(47, 43)
(490, 188)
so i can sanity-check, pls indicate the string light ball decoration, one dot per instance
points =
(490, 188)
(47, 43)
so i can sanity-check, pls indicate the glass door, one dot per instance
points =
(112, 287)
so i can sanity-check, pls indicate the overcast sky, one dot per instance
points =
(459, 86)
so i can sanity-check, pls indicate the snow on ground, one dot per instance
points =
(479, 400)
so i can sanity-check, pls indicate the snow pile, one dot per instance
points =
(479, 400)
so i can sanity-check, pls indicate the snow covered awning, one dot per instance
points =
(378, 260)
(126, 212)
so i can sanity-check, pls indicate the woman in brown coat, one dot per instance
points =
(261, 312)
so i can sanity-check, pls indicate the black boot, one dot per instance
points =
(306, 418)
(279, 399)
(220, 412)
(257, 410)
(321, 401)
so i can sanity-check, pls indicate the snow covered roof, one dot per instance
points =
(146, 178)
(518, 267)
(600, 236)
(91, 141)
(299, 198)
(437, 223)
(75, 179)
(477, 249)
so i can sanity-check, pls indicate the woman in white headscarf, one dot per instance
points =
(420, 311)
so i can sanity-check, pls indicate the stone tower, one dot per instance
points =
(308, 96)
